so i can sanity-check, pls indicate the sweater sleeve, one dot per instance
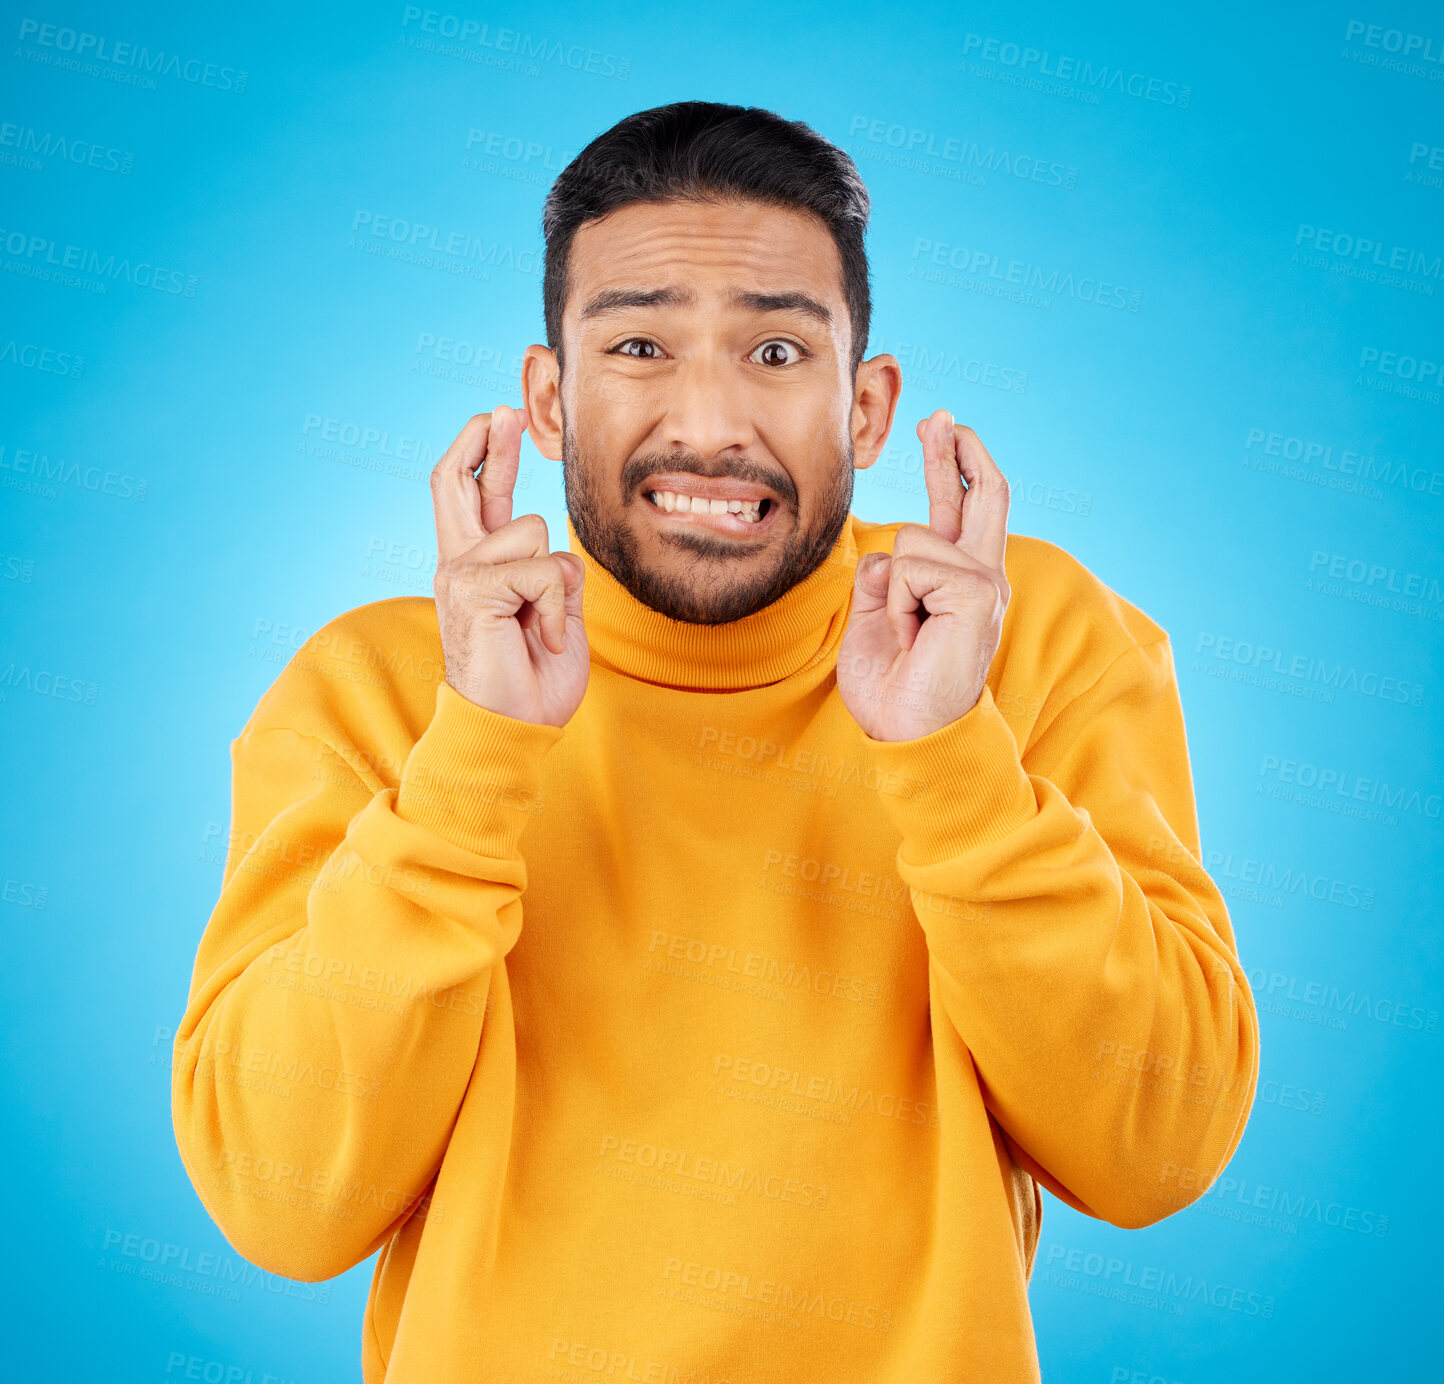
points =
(1078, 946)
(339, 996)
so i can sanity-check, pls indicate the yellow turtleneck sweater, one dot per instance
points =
(708, 1039)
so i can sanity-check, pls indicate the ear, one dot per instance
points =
(541, 398)
(874, 402)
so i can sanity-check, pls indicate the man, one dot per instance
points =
(686, 956)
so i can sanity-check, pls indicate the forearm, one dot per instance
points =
(1106, 1011)
(321, 1062)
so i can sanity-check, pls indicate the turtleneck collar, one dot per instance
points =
(800, 629)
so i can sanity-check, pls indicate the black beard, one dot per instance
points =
(720, 601)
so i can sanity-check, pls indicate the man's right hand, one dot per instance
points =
(510, 612)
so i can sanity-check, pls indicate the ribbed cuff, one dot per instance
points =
(970, 787)
(474, 776)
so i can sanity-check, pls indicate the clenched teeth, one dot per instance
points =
(749, 511)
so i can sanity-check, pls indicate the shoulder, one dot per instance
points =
(365, 682)
(1048, 584)
(1053, 586)
(1064, 625)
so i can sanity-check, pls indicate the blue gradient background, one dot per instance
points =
(172, 605)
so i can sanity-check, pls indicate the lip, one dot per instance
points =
(731, 524)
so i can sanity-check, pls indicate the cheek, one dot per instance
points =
(607, 432)
(616, 384)
(610, 410)
(803, 434)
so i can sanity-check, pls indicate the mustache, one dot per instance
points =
(638, 468)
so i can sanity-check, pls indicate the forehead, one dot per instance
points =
(709, 246)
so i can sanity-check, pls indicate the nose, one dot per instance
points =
(707, 408)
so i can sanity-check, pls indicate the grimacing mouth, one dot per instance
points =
(670, 501)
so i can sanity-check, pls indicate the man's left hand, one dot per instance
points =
(926, 620)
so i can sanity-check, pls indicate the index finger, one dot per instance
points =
(975, 520)
(467, 509)
(500, 465)
(941, 476)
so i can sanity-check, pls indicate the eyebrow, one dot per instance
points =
(611, 300)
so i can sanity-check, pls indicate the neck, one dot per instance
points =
(800, 629)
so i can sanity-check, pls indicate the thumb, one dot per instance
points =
(573, 579)
(871, 583)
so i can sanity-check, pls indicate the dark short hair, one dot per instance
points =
(707, 151)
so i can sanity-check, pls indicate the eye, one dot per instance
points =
(623, 348)
(773, 352)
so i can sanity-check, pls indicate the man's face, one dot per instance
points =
(706, 350)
